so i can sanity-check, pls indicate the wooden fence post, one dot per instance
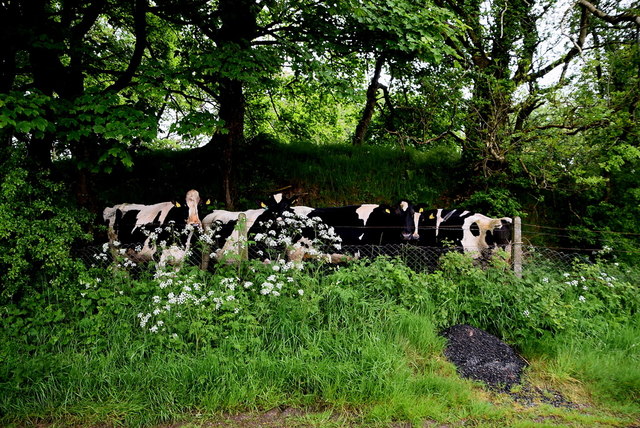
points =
(206, 257)
(516, 247)
(243, 242)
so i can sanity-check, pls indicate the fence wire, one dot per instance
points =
(418, 258)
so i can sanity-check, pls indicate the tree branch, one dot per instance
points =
(623, 17)
(575, 50)
(140, 29)
(575, 129)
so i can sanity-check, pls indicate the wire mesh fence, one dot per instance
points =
(418, 258)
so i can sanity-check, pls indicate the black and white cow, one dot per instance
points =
(476, 234)
(367, 224)
(358, 225)
(227, 236)
(138, 229)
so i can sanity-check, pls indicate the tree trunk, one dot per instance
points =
(367, 114)
(238, 29)
(232, 107)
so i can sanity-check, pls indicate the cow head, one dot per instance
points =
(192, 201)
(407, 216)
(420, 214)
(277, 204)
(400, 216)
(499, 236)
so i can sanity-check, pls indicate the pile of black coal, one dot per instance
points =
(482, 356)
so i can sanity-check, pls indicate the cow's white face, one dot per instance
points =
(407, 210)
(193, 199)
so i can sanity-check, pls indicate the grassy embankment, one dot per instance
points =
(356, 346)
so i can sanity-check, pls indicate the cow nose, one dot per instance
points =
(410, 236)
(194, 221)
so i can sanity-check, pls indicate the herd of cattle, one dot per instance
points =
(139, 231)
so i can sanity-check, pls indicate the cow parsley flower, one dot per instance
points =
(228, 283)
(582, 299)
(301, 292)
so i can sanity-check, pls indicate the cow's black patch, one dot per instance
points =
(475, 229)
(385, 224)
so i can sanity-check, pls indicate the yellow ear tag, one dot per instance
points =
(421, 210)
(431, 217)
(388, 211)
(263, 205)
(178, 205)
(208, 202)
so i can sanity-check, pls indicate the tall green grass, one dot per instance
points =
(362, 339)
(338, 174)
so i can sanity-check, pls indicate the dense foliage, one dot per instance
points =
(148, 346)
(523, 108)
(538, 99)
